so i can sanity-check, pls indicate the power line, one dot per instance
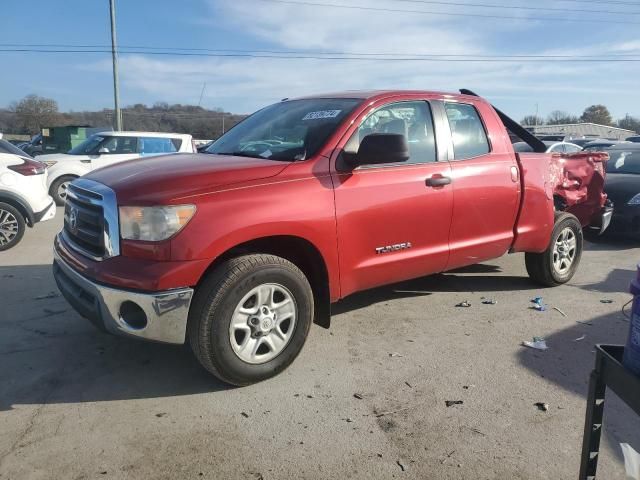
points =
(515, 7)
(301, 52)
(450, 14)
(368, 57)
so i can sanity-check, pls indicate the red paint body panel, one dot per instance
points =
(495, 202)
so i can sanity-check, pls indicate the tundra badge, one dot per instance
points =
(394, 248)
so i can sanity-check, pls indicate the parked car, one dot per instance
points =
(552, 147)
(24, 200)
(634, 139)
(623, 187)
(106, 148)
(581, 142)
(306, 202)
(599, 145)
(33, 147)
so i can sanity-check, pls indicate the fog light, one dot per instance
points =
(133, 315)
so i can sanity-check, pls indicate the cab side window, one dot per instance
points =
(411, 119)
(469, 137)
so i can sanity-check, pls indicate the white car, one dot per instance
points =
(552, 147)
(107, 148)
(24, 200)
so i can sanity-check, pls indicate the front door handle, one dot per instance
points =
(438, 181)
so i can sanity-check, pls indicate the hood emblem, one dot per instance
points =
(73, 219)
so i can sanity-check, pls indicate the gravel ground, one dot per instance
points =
(77, 404)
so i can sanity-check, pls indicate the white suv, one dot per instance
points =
(107, 148)
(24, 200)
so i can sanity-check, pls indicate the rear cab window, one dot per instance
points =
(467, 131)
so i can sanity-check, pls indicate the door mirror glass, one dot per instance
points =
(380, 148)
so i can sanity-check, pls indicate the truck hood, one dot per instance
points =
(166, 179)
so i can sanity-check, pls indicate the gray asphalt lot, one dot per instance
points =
(78, 404)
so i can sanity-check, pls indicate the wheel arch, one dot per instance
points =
(299, 251)
(21, 205)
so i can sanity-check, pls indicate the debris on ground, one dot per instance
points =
(244, 414)
(464, 304)
(538, 343)
(447, 457)
(539, 308)
(537, 300)
(489, 301)
(543, 407)
(408, 384)
(309, 396)
(47, 296)
(579, 339)
(358, 396)
(51, 312)
(560, 311)
(606, 300)
(631, 461)
(402, 466)
(584, 323)
(161, 414)
(395, 355)
(467, 387)
(450, 403)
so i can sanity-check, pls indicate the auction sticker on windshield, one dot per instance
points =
(321, 114)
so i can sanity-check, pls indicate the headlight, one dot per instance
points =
(153, 224)
(50, 163)
(635, 200)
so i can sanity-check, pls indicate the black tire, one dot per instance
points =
(215, 301)
(55, 186)
(12, 221)
(541, 267)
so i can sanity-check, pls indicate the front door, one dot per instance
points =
(115, 149)
(393, 220)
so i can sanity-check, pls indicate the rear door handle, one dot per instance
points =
(438, 181)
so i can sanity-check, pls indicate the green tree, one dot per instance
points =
(597, 114)
(34, 112)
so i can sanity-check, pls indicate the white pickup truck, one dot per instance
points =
(107, 148)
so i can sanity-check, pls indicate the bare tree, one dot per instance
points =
(34, 112)
(558, 117)
(532, 120)
(630, 123)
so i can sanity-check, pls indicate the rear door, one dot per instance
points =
(392, 220)
(485, 181)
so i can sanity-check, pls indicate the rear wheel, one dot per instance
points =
(12, 226)
(559, 262)
(59, 188)
(250, 318)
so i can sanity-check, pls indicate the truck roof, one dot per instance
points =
(373, 94)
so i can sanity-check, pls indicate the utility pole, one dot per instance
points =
(114, 56)
(204, 85)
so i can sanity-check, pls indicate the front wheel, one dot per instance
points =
(59, 189)
(559, 262)
(250, 318)
(12, 226)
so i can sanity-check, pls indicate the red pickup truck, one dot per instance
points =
(238, 250)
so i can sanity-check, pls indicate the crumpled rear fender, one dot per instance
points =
(573, 183)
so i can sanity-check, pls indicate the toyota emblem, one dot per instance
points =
(73, 219)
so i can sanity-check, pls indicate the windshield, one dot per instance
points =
(624, 161)
(291, 130)
(87, 147)
(6, 147)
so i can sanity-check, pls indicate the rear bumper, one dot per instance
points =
(46, 214)
(157, 316)
(602, 220)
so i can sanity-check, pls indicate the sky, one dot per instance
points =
(241, 84)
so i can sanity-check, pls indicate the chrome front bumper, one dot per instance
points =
(110, 309)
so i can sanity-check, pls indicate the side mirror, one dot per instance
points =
(103, 150)
(378, 148)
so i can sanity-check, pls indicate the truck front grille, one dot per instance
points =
(91, 219)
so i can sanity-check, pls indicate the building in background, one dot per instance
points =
(581, 130)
